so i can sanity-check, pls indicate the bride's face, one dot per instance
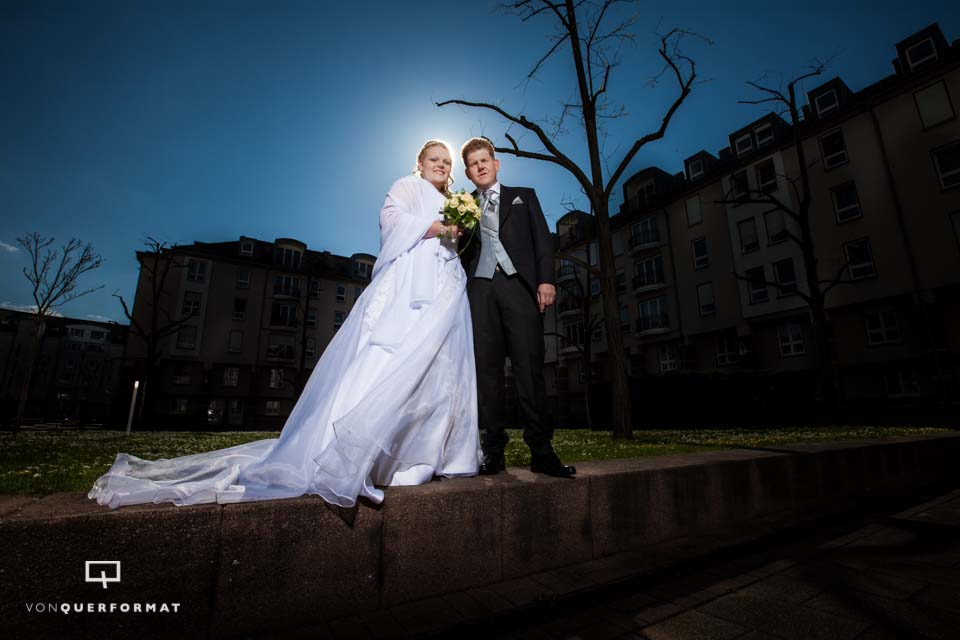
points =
(435, 165)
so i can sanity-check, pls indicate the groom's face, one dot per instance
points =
(482, 169)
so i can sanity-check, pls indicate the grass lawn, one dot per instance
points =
(45, 462)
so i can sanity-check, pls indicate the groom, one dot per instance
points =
(510, 281)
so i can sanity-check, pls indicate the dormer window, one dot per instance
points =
(764, 134)
(920, 53)
(743, 145)
(696, 169)
(826, 102)
(288, 257)
(363, 270)
(246, 247)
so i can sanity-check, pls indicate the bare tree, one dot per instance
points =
(818, 288)
(54, 275)
(587, 28)
(156, 323)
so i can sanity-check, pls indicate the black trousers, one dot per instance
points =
(507, 323)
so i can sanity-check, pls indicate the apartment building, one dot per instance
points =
(253, 319)
(884, 169)
(79, 371)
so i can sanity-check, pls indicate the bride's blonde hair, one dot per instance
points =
(423, 153)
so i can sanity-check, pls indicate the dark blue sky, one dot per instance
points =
(209, 120)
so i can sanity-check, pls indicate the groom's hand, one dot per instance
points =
(546, 294)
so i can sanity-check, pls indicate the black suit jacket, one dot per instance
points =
(524, 235)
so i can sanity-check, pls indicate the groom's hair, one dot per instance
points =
(475, 144)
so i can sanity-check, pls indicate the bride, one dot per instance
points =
(392, 401)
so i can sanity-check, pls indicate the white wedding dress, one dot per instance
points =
(392, 401)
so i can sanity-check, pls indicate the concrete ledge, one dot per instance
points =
(269, 566)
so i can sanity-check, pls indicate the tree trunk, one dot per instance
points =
(622, 423)
(39, 331)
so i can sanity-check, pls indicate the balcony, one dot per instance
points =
(566, 272)
(648, 282)
(637, 242)
(286, 290)
(570, 306)
(649, 325)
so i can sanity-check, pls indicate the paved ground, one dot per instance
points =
(870, 575)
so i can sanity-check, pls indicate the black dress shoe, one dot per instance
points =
(550, 465)
(492, 465)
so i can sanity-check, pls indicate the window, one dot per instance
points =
(621, 280)
(694, 211)
(743, 145)
(186, 338)
(653, 314)
(764, 134)
(597, 334)
(239, 308)
(947, 161)
(235, 341)
(286, 286)
(283, 315)
(573, 334)
(740, 185)
(594, 249)
(695, 169)
(310, 349)
(315, 288)
(726, 346)
(786, 277)
(920, 53)
(826, 102)
(196, 271)
(311, 319)
(790, 337)
(846, 203)
(860, 259)
(757, 286)
(181, 377)
(882, 326)
(624, 319)
(272, 408)
(97, 335)
(246, 247)
(749, 240)
(648, 272)
(645, 231)
(595, 288)
(276, 379)
(243, 279)
(833, 149)
(280, 346)
(701, 259)
(191, 303)
(776, 229)
(288, 257)
(933, 104)
(357, 292)
(181, 406)
(231, 376)
(766, 176)
(902, 383)
(363, 270)
(705, 298)
(341, 292)
(338, 317)
(77, 333)
(667, 355)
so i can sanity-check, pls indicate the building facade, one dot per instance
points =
(697, 264)
(251, 320)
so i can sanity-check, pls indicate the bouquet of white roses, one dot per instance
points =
(462, 209)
